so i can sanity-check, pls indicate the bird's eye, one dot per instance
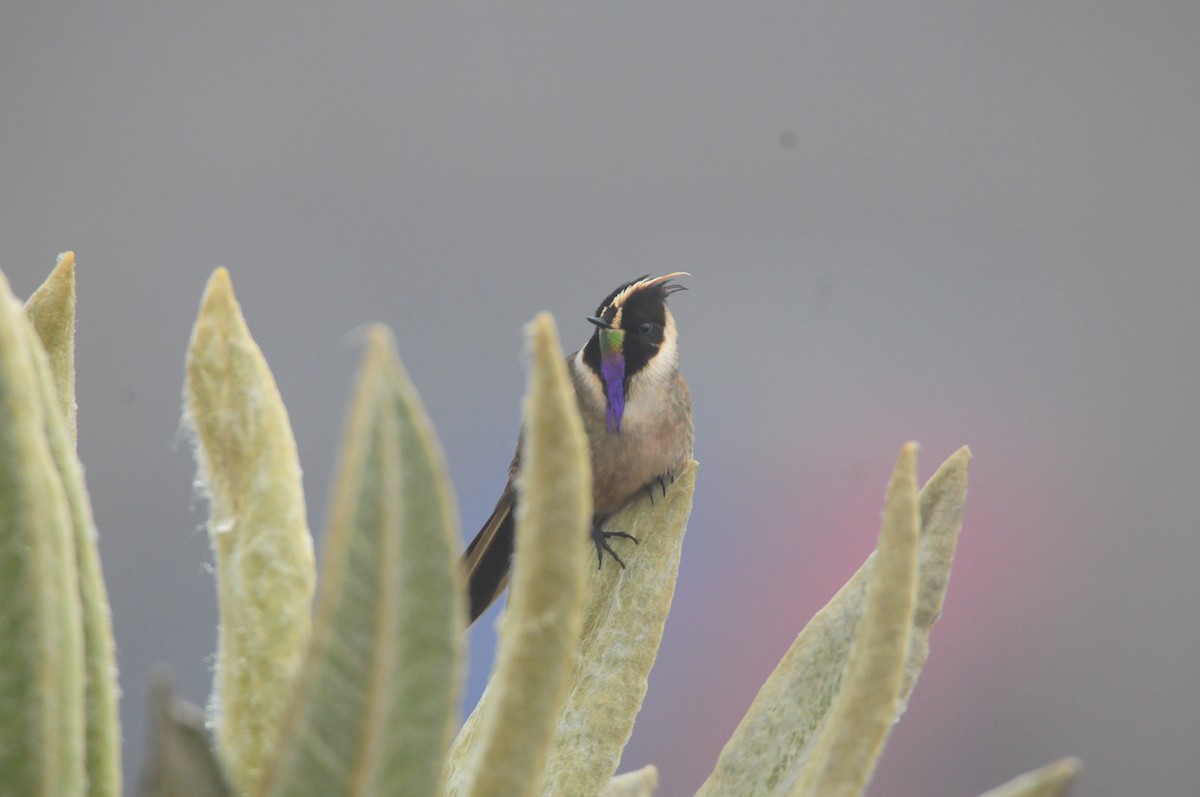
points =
(646, 328)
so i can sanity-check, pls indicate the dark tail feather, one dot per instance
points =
(487, 560)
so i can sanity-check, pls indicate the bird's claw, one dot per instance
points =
(662, 482)
(601, 537)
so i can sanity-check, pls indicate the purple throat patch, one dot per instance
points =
(612, 369)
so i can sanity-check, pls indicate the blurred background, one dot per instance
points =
(956, 223)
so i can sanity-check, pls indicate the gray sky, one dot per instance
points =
(959, 223)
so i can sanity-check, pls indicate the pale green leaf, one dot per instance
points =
(624, 616)
(247, 464)
(774, 738)
(377, 703)
(181, 761)
(639, 783)
(503, 747)
(1052, 780)
(848, 745)
(51, 308)
(102, 714)
(941, 506)
(41, 659)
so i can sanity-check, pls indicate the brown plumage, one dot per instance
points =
(640, 430)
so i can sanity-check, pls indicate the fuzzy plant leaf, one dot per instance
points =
(248, 467)
(848, 745)
(502, 748)
(624, 617)
(639, 783)
(377, 703)
(940, 504)
(777, 735)
(102, 713)
(1052, 780)
(181, 761)
(51, 308)
(41, 661)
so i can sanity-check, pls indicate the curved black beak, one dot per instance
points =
(600, 322)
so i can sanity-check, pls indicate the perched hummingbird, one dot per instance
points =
(637, 414)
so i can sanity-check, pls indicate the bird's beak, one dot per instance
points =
(600, 322)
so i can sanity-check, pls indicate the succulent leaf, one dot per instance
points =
(247, 464)
(502, 749)
(1052, 780)
(51, 309)
(377, 703)
(181, 762)
(639, 783)
(776, 736)
(42, 682)
(624, 617)
(853, 731)
(55, 302)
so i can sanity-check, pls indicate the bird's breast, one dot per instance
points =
(655, 439)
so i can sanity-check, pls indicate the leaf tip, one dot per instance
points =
(905, 472)
(219, 321)
(55, 298)
(65, 265)
(542, 334)
(219, 289)
(1053, 780)
(954, 470)
(379, 336)
(380, 348)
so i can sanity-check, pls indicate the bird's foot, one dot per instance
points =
(600, 538)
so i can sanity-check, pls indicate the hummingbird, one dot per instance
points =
(636, 411)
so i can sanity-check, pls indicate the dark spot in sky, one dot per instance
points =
(788, 139)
